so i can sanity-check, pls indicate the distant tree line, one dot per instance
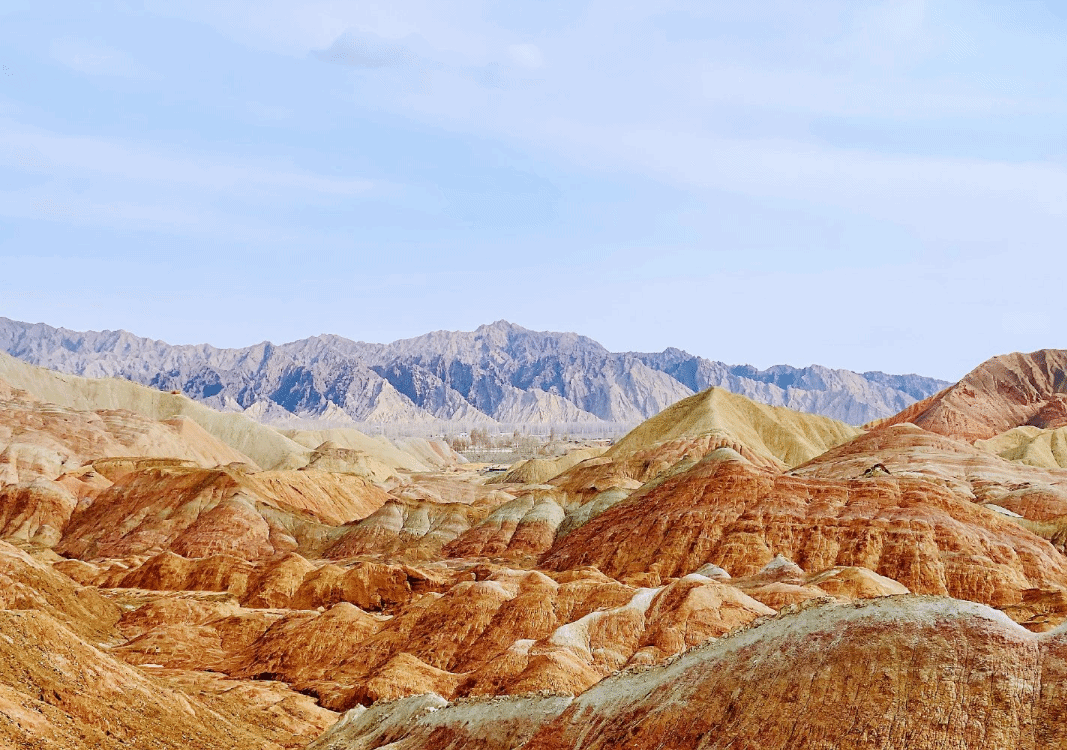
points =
(474, 431)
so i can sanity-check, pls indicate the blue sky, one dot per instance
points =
(862, 185)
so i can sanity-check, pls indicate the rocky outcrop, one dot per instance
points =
(789, 682)
(265, 446)
(332, 458)
(763, 434)
(526, 525)
(409, 530)
(241, 438)
(842, 394)
(1035, 498)
(288, 581)
(541, 470)
(424, 515)
(373, 632)
(672, 442)
(906, 450)
(511, 632)
(406, 454)
(429, 721)
(35, 512)
(694, 428)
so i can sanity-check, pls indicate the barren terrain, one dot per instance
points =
(727, 575)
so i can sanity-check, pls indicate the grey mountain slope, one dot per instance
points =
(500, 372)
(842, 394)
(263, 445)
(483, 366)
(267, 447)
(226, 379)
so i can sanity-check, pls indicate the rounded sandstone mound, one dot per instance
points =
(735, 516)
(923, 673)
(833, 677)
(768, 433)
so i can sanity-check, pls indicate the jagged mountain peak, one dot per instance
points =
(500, 325)
(501, 335)
(469, 376)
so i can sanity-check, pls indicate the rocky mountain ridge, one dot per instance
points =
(498, 373)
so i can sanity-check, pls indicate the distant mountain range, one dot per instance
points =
(498, 373)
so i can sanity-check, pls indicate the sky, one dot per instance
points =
(869, 185)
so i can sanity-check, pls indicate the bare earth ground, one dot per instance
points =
(728, 575)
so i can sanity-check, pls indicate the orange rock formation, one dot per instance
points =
(733, 515)
(1002, 393)
(726, 576)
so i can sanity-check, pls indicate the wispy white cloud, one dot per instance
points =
(888, 34)
(527, 55)
(96, 58)
(183, 216)
(961, 199)
(617, 98)
(766, 137)
(834, 94)
(362, 50)
(90, 181)
(38, 150)
(457, 29)
(433, 71)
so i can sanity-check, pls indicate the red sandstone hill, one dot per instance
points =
(736, 516)
(917, 672)
(1005, 392)
(667, 594)
(833, 677)
(200, 512)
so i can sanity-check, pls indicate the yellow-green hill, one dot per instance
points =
(1030, 445)
(788, 437)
